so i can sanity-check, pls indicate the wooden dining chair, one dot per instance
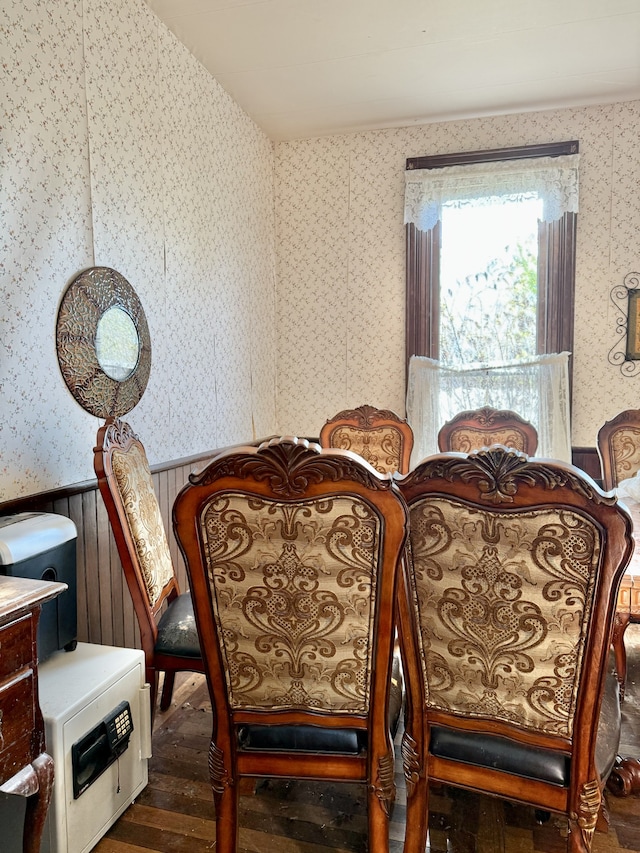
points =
(506, 607)
(618, 444)
(165, 615)
(292, 552)
(483, 427)
(380, 436)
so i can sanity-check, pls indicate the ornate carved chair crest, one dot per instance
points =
(506, 613)
(292, 553)
(165, 616)
(380, 436)
(478, 428)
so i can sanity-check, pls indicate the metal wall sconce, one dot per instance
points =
(625, 353)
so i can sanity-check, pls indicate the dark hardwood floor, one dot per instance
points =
(174, 814)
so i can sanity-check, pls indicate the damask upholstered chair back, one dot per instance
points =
(510, 586)
(619, 448)
(472, 430)
(380, 436)
(292, 553)
(165, 617)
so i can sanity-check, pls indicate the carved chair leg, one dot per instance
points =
(602, 823)
(38, 804)
(418, 787)
(583, 824)
(378, 825)
(167, 690)
(380, 798)
(624, 779)
(226, 793)
(226, 803)
(620, 625)
(577, 841)
(417, 817)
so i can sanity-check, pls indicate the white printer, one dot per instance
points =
(42, 546)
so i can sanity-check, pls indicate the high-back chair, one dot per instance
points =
(165, 616)
(471, 430)
(506, 612)
(618, 445)
(380, 436)
(292, 553)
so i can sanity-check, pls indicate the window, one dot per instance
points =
(488, 279)
(522, 327)
(533, 312)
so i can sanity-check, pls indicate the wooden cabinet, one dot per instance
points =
(25, 767)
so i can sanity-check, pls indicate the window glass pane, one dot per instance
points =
(488, 279)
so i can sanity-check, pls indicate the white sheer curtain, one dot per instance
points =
(537, 389)
(554, 179)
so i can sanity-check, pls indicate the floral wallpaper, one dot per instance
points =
(272, 276)
(118, 149)
(341, 261)
(45, 238)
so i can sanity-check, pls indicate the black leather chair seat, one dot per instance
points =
(499, 753)
(314, 739)
(302, 739)
(177, 633)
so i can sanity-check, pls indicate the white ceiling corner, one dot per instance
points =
(307, 68)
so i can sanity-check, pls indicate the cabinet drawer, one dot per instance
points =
(17, 723)
(15, 645)
(16, 759)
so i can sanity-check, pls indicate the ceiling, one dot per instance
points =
(306, 68)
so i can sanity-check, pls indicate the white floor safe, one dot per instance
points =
(95, 705)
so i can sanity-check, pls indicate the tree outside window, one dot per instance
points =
(489, 287)
(478, 288)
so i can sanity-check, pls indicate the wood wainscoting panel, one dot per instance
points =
(105, 608)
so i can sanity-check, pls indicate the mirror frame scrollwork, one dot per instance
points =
(83, 303)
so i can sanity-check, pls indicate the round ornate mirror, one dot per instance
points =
(103, 343)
